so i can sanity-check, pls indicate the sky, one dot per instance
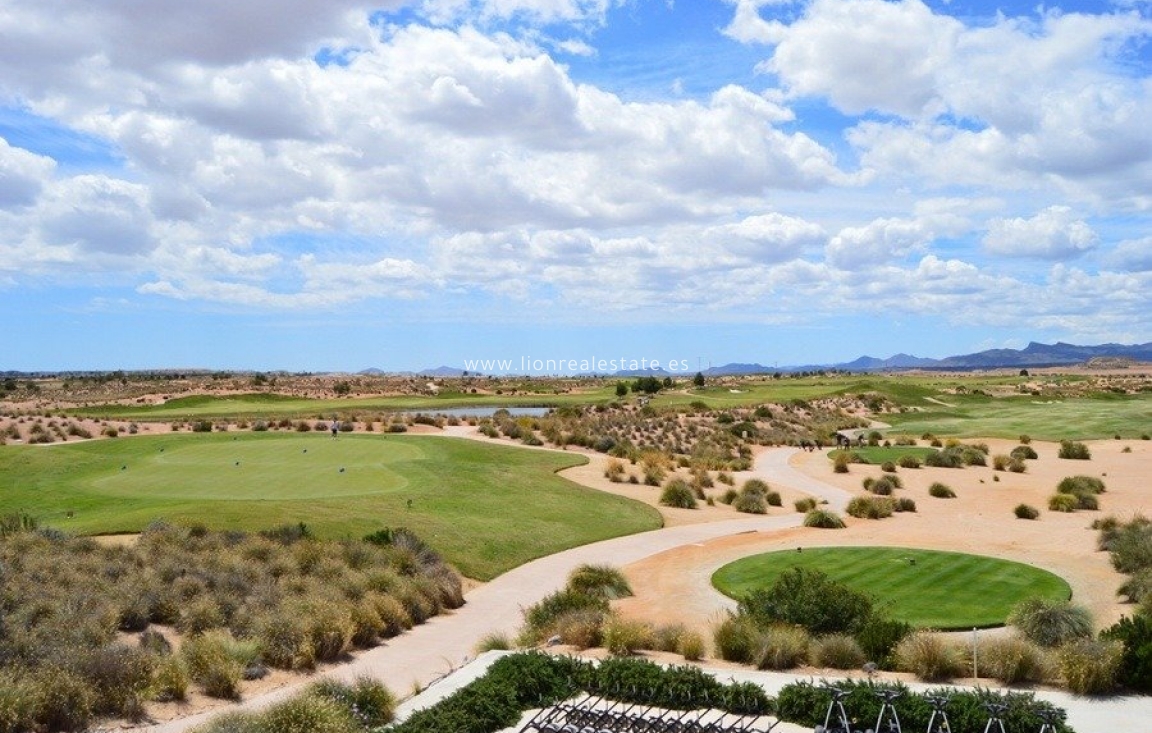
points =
(334, 185)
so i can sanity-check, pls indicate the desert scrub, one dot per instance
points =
(1051, 623)
(1024, 511)
(929, 656)
(623, 637)
(782, 646)
(1013, 660)
(1073, 450)
(941, 491)
(869, 507)
(603, 581)
(804, 505)
(1090, 667)
(678, 494)
(837, 651)
(823, 519)
(1063, 503)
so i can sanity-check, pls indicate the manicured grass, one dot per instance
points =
(1044, 419)
(877, 454)
(487, 508)
(926, 588)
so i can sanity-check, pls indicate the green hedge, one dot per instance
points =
(521, 682)
(806, 703)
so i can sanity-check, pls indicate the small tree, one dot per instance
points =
(698, 380)
(621, 389)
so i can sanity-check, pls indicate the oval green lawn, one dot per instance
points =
(926, 588)
(487, 508)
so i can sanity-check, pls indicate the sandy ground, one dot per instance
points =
(674, 587)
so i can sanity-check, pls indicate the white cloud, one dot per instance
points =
(1133, 255)
(875, 244)
(1054, 233)
(22, 175)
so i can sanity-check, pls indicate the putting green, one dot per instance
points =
(926, 588)
(283, 468)
(486, 507)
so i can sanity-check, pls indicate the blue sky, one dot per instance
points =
(332, 186)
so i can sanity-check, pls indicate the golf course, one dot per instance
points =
(486, 508)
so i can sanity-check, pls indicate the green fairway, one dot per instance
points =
(876, 454)
(487, 508)
(266, 406)
(926, 588)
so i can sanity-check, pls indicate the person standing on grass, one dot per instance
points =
(335, 427)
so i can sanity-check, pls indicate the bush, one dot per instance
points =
(690, 645)
(1130, 544)
(17, 704)
(823, 519)
(120, 676)
(494, 641)
(1024, 452)
(1012, 660)
(782, 647)
(840, 463)
(878, 637)
(1074, 451)
(929, 656)
(1051, 623)
(1090, 667)
(1138, 586)
(309, 713)
(806, 504)
(809, 599)
(1078, 485)
(366, 701)
(625, 636)
(678, 494)
(1135, 636)
(1000, 462)
(888, 467)
(214, 664)
(750, 503)
(736, 639)
(904, 504)
(908, 461)
(171, 680)
(285, 641)
(1023, 511)
(941, 491)
(1063, 503)
(837, 651)
(233, 722)
(603, 581)
(864, 507)
(539, 618)
(1017, 465)
(882, 486)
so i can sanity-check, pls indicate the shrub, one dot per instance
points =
(1138, 586)
(690, 645)
(806, 504)
(823, 519)
(602, 581)
(1063, 503)
(837, 651)
(881, 486)
(1130, 544)
(62, 700)
(1051, 623)
(17, 704)
(904, 504)
(615, 471)
(782, 647)
(1078, 485)
(1024, 452)
(678, 494)
(309, 713)
(366, 701)
(750, 503)
(736, 639)
(888, 467)
(878, 637)
(943, 459)
(625, 636)
(809, 599)
(120, 676)
(864, 507)
(539, 618)
(1090, 667)
(1017, 465)
(840, 463)
(1000, 462)
(1023, 511)
(1135, 636)
(1012, 660)
(285, 641)
(171, 680)
(929, 656)
(214, 664)
(941, 491)
(1074, 451)
(909, 461)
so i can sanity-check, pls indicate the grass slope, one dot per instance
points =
(487, 508)
(939, 590)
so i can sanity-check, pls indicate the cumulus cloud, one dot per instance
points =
(876, 243)
(1132, 255)
(22, 175)
(1054, 233)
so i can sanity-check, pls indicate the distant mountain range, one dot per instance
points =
(1033, 355)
